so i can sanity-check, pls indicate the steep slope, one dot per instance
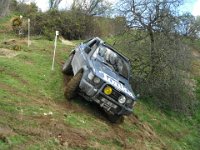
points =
(35, 115)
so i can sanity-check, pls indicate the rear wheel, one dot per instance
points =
(72, 86)
(67, 67)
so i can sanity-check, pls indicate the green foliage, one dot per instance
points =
(168, 83)
(198, 89)
(22, 8)
(197, 112)
(72, 24)
(29, 89)
(107, 27)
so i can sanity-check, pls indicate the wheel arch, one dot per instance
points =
(82, 69)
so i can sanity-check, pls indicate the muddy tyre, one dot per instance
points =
(67, 67)
(72, 86)
(115, 118)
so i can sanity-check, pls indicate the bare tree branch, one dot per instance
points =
(53, 4)
(91, 7)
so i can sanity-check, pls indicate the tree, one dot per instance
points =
(187, 25)
(23, 8)
(197, 26)
(53, 4)
(4, 7)
(160, 58)
(91, 7)
(22, 1)
(148, 15)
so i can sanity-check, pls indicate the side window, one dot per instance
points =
(93, 45)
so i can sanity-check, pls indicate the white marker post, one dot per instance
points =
(54, 54)
(29, 32)
(20, 27)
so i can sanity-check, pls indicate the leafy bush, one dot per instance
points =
(169, 84)
(71, 24)
(22, 8)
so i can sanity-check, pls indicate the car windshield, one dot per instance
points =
(113, 60)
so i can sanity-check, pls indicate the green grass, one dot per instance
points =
(179, 132)
(78, 120)
(29, 89)
(198, 88)
(12, 141)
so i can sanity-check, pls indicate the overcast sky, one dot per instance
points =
(43, 4)
(192, 6)
(196, 8)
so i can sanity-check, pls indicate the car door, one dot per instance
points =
(82, 53)
(78, 59)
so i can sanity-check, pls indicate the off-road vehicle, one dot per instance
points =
(100, 74)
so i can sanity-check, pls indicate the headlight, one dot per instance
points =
(107, 90)
(93, 78)
(122, 99)
(96, 80)
(90, 75)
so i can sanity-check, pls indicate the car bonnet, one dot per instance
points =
(108, 75)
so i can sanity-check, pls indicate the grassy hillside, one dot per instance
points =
(35, 115)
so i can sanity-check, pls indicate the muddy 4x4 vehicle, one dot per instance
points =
(102, 75)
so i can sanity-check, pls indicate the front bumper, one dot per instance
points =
(91, 93)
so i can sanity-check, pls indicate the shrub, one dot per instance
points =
(169, 84)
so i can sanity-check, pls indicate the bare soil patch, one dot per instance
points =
(5, 132)
(8, 53)
(14, 41)
(195, 53)
(66, 42)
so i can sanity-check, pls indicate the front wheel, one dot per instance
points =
(67, 67)
(72, 86)
(115, 118)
